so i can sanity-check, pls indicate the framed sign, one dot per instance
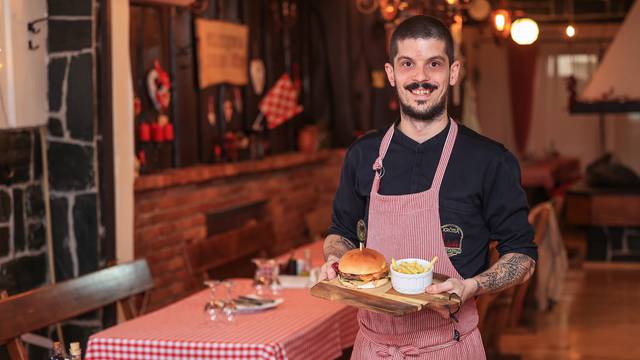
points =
(222, 52)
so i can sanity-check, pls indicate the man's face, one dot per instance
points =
(421, 74)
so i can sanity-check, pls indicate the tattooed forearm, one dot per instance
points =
(336, 245)
(511, 269)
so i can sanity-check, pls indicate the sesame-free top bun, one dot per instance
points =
(362, 262)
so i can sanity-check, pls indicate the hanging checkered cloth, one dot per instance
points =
(281, 102)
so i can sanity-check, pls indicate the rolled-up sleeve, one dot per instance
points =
(348, 205)
(505, 207)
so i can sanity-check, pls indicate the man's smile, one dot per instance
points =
(421, 91)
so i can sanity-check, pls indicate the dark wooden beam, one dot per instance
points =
(578, 107)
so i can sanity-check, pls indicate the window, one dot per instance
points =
(578, 65)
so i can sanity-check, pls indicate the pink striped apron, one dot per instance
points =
(409, 226)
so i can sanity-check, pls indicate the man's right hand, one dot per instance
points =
(326, 271)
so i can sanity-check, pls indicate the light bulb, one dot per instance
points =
(570, 31)
(524, 31)
(500, 22)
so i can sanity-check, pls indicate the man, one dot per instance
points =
(430, 187)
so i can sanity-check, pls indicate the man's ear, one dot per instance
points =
(388, 68)
(454, 73)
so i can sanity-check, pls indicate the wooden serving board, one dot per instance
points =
(384, 299)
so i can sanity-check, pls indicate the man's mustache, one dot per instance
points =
(424, 85)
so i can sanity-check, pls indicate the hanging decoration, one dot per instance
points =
(158, 86)
(159, 89)
(367, 6)
(257, 72)
(237, 99)
(222, 52)
(227, 108)
(281, 102)
(211, 111)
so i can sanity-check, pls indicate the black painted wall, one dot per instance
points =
(73, 174)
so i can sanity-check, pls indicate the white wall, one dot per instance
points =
(123, 147)
(488, 62)
(552, 125)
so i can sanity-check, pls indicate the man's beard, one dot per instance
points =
(429, 114)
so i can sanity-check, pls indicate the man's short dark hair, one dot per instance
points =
(421, 27)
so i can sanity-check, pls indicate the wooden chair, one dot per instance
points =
(539, 218)
(228, 254)
(47, 305)
(503, 311)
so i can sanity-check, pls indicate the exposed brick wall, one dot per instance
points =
(167, 218)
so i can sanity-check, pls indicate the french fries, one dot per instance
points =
(408, 267)
(412, 267)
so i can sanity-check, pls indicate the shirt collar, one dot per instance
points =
(435, 142)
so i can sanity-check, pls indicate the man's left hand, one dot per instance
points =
(463, 288)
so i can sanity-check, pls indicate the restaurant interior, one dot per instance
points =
(168, 169)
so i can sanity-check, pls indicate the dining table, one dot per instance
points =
(301, 327)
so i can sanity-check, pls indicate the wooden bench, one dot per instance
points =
(229, 254)
(47, 305)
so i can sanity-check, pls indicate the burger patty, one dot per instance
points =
(361, 277)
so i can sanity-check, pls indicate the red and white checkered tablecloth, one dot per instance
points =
(303, 327)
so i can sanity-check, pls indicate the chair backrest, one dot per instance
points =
(254, 238)
(47, 305)
(539, 218)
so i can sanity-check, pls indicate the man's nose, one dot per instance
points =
(421, 74)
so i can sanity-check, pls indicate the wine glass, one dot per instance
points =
(229, 307)
(266, 276)
(213, 306)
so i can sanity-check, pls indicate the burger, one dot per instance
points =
(362, 269)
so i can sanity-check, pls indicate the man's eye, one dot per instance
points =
(406, 63)
(434, 64)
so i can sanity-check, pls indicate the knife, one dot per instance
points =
(255, 301)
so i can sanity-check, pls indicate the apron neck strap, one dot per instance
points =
(442, 164)
(446, 154)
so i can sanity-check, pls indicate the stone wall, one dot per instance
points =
(73, 175)
(171, 209)
(22, 230)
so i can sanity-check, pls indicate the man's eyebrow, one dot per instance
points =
(403, 57)
(437, 57)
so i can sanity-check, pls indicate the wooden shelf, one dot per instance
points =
(202, 173)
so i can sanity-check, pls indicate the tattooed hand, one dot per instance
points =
(463, 288)
(334, 247)
(511, 269)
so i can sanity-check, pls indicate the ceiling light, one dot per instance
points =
(570, 31)
(524, 31)
(501, 22)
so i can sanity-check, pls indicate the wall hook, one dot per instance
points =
(31, 25)
(32, 46)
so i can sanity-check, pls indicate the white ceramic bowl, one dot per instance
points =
(411, 283)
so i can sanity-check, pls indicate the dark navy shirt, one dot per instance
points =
(480, 197)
